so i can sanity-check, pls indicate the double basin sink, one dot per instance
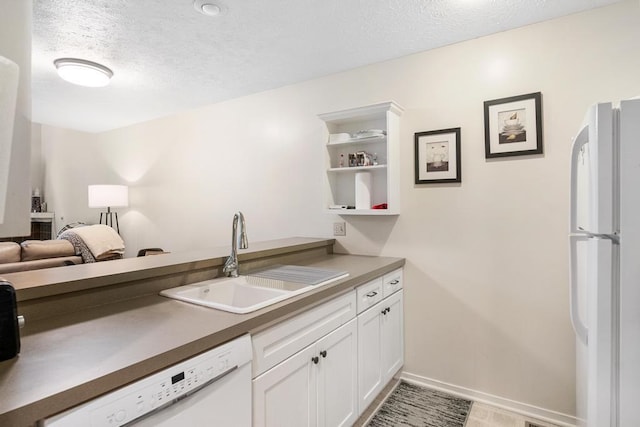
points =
(244, 294)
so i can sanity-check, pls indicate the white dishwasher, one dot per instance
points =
(211, 389)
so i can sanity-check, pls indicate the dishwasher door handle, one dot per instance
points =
(200, 387)
(180, 398)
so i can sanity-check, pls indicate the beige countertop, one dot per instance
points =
(71, 358)
(46, 282)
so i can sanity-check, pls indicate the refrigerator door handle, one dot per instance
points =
(579, 327)
(578, 143)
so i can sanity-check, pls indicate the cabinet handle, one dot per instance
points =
(323, 353)
(394, 282)
(384, 311)
(372, 294)
(315, 359)
(388, 309)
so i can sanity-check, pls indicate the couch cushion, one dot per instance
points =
(9, 252)
(41, 249)
(15, 267)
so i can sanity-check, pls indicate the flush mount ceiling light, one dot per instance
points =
(82, 72)
(208, 7)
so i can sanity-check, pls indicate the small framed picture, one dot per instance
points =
(513, 126)
(437, 156)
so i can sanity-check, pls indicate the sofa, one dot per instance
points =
(35, 254)
(86, 244)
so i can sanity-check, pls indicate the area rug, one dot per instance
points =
(415, 406)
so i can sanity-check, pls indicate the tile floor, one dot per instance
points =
(483, 415)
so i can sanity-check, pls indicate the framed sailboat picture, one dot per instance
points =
(513, 126)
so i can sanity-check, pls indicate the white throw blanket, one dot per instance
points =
(102, 240)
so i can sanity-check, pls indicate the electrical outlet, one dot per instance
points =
(339, 229)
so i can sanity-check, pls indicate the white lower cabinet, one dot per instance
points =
(392, 336)
(369, 355)
(286, 395)
(325, 366)
(338, 377)
(315, 387)
(380, 347)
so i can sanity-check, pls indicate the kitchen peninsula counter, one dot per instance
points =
(121, 330)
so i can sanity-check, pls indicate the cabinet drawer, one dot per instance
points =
(392, 282)
(277, 343)
(369, 294)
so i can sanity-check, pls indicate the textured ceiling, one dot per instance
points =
(167, 57)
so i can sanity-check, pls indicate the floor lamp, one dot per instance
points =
(109, 196)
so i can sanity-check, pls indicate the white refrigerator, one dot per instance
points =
(604, 245)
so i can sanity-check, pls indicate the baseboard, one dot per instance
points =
(500, 402)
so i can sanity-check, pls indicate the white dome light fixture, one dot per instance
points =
(208, 7)
(82, 72)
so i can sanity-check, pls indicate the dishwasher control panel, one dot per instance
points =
(159, 390)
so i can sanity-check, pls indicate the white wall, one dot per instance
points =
(15, 44)
(37, 162)
(487, 294)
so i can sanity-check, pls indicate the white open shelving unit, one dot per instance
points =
(385, 176)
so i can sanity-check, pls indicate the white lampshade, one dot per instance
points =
(108, 196)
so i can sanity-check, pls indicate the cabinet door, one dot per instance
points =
(338, 377)
(285, 396)
(392, 335)
(280, 341)
(369, 355)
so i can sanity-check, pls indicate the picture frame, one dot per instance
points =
(513, 126)
(437, 156)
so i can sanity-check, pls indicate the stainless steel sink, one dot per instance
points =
(244, 294)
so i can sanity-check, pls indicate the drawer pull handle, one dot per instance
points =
(372, 294)
(315, 359)
(386, 310)
(323, 353)
(394, 282)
